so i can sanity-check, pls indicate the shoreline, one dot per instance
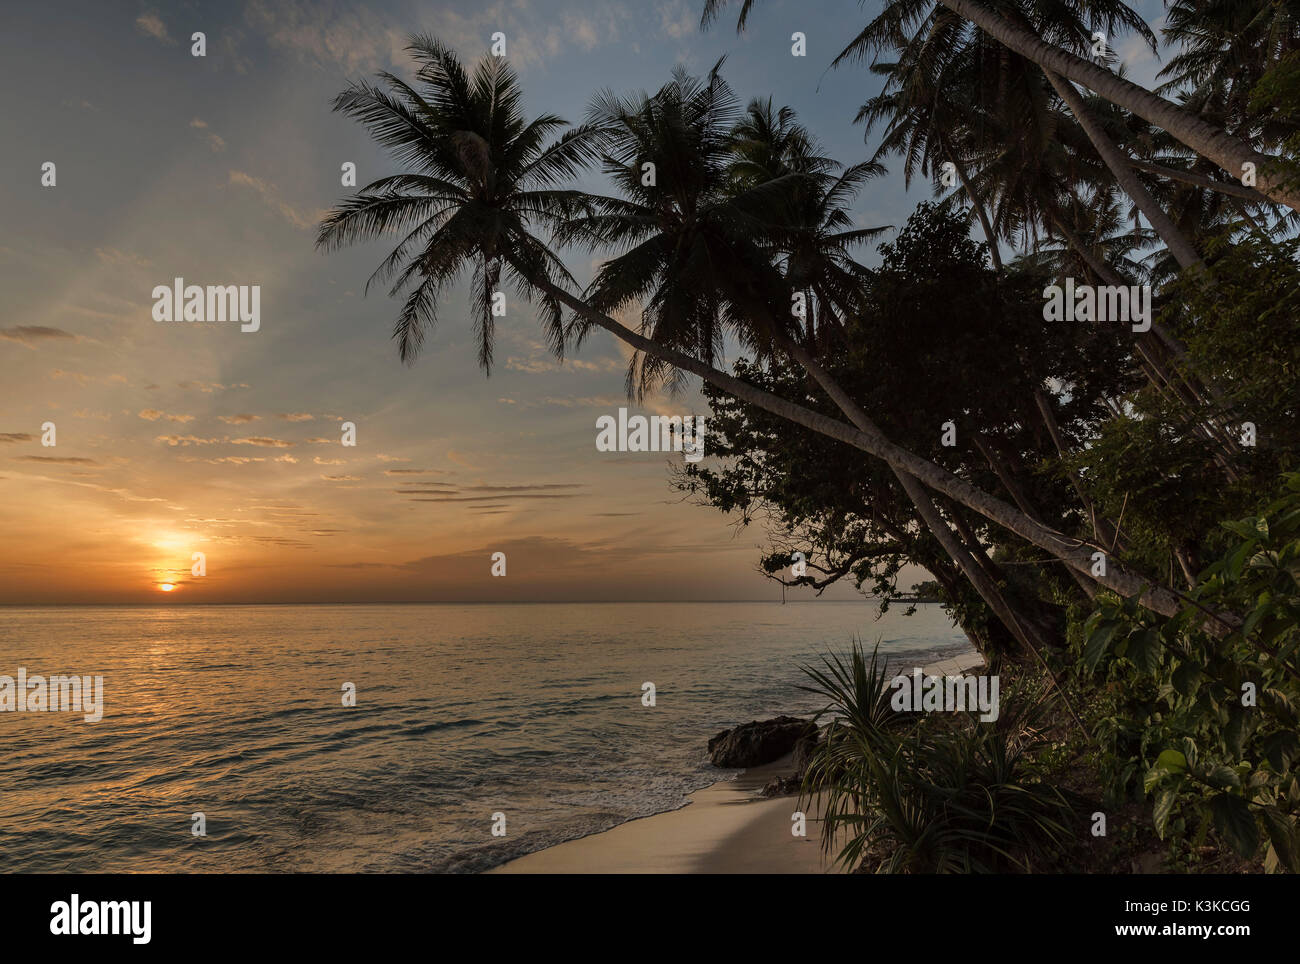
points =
(724, 828)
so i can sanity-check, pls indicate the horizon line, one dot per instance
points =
(450, 602)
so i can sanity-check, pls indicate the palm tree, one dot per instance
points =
(952, 85)
(932, 119)
(723, 239)
(1225, 49)
(1230, 153)
(812, 234)
(1006, 23)
(481, 180)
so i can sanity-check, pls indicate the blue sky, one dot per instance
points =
(173, 439)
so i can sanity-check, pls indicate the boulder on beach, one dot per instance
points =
(781, 787)
(756, 743)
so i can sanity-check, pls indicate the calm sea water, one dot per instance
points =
(462, 711)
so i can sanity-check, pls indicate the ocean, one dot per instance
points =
(533, 711)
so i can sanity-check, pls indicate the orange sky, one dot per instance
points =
(175, 438)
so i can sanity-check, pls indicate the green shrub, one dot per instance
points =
(1203, 706)
(944, 794)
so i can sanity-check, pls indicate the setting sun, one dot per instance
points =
(166, 587)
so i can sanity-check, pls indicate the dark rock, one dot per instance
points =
(753, 744)
(803, 750)
(781, 787)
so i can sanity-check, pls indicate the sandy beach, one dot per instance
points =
(727, 828)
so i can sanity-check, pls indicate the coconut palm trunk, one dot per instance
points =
(1187, 177)
(1177, 242)
(1074, 552)
(979, 212)
(1230, 153)
(978, 575)
(1179, 246)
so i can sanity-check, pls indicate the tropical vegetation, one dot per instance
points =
(1112, 514)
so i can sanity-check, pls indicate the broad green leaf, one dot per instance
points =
(1222, 777)
(1171, 761)
(1098, 640)
(1282, 835)
(1185, 678)
(1164, 806)
(1235, 823)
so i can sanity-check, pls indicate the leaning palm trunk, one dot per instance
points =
(970, 566)
(1177, 243)
(1103, 529)
(978, 575)
(1232, 189)
(1180, 390)
(1230, 153)
(1179, 246)
(979, 212)
(1074, 552)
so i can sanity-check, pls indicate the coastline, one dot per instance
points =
(725, 828)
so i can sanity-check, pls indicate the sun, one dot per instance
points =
(166, 587)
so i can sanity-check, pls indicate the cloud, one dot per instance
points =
(56, 460)
(586, 401)
(320, 461)
(460, 459)
(29, 335)
(603, 365)
(209, 387)
(531, 365)
(186, 440)
(498, 496)
(296, 416)
(546, 554)
(415, 471)
(582, 30)
(678, 20)
(357, 39)
(16, 437)
(341, 478)
(153, 414)
(330, 35)
(238, 419)
(78, 377)
(152, 25)
(278, 443)
(115, 256)
(271, 196)
(215, 141)
(448, 497)
(546, 486)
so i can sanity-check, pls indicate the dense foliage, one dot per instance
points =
(1069, 486)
